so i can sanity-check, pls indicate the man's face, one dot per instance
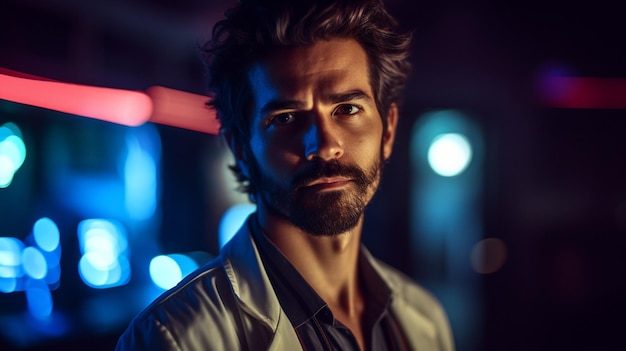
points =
(317, 139)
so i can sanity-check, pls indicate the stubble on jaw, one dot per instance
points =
(322, 213)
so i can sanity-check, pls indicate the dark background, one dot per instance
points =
(554, 180)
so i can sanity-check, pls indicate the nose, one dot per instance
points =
(322, 141)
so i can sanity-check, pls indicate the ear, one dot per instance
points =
(389, 134)
(237, 150)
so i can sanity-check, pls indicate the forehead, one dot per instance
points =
(333, 65)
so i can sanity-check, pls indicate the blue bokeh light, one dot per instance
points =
(15, 149)
(165, 272)
(7, 170)
(10, 128)
(232, 220)
(140, 179)
(10, 257)
(116, 274)
(12, 153)
(92, 275)
(21, 265)
(5, 131)
(34, 263)
(39, 299)
(46, 234)
(168, 270)
(8, 285)
(185, 263)
(118, 178)
(53, 277)
(104, 245)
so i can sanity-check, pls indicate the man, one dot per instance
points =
(306, 93)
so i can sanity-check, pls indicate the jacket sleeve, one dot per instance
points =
(148, 335)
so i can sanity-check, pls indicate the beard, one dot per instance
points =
(320, 213)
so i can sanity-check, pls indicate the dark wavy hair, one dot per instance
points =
(253, 28)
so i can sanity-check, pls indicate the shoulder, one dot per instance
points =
(202, 288)
(404, 287)
(203, 300)
(414, 305)
(408, 289)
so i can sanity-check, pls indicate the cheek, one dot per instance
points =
(365, 154)
(369, 145)
(275, 160)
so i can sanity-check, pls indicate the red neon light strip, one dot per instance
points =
(132, 108)
(183, 110)
(579, 92)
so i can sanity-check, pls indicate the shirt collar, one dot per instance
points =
(297, 298)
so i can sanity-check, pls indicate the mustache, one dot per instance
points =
(319, 169)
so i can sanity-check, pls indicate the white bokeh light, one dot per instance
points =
(449, 154)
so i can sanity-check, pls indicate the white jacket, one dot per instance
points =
(229, 304)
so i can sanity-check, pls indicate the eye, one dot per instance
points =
(283, 118)
(347, 109)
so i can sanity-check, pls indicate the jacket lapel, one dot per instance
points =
(256, 297)
(419, 330)
(254, 292)
(285, 337)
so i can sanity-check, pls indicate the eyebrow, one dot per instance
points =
(347, 96)
(274, 105)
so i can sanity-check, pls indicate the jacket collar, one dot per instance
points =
(253, 290)
(249, 280)
(419, 330)
(255, 294)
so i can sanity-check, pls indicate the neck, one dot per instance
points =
(328, 263)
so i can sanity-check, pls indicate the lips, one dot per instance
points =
(328, 180)
(327, 183)
(326, 175)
